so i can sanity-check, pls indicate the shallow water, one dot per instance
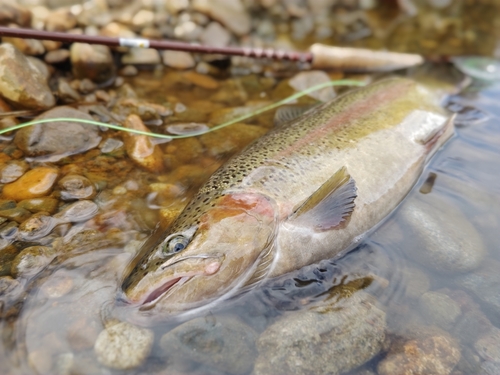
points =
(51, 322)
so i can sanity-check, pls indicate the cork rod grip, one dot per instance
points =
(360, 60)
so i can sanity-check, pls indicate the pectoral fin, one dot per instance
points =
(331, 205)
(289, 113)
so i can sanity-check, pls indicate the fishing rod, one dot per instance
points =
(319, 55)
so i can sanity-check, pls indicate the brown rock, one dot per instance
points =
(201, 80)
(437, 354)
(140, 148)
(44, 204)
(10, 12)
(35, 183)
(56, 56)
(178, 59)
(92, 61)
(76, 187)
(32, 260)
(22, 84)
(230, 13)
(26, 46)
(60, 20)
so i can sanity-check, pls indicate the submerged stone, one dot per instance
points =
(31, 261)
(94, 62)
(76, 187)
(35, 183)
(439, 309)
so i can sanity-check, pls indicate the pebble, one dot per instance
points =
(45, 204)
(37, 226)
(140, 148)
(129, 71)
(22, 83)
(305, 80)
(439, 309)
(437, 354)
(488, 346)
(416, 281)
(7, 284)
(484, 284)
(441, 237)
(123, 346)
(81, 210)
(60, 20)
(76, 187)
(231, 13)
(215, 35)
(94, 62)
(16, 214)
(56, 56)
(141, 56)
(26, 46)
(6, 204)
(12, 170)
(331, 340)
(201, 80)
(35, 183)
(10, 12)
(178, 59)
(49, 141)
(7, 255)
(31, 261)
(224, 344)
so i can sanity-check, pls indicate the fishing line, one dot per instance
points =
(341, 82)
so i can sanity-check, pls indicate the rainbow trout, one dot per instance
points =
(306, 191)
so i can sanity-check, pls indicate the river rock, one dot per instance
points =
(76, 187)
(26, 46)
(45, 204)
(35, 183)
(439, 309)
(178, 59)
(22, 84)
(123, 346)
(16, 214)
(141, 56)
(436, 354)
(10, 12)
(484, 284)
(215, 35)
(416, 282)
(60, 20)
(55, 140)
(488, 345)
(56, 56)
(94, 62)
(37, 226)
(440, 236)
(7, 255)
(12, 170)
(140, 148)
(231, 13)
(31, 261)
(330, 340)
(225, 344)
(82, 210)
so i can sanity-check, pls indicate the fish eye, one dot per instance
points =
(176, 244)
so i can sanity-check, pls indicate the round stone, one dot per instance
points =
(35, 183)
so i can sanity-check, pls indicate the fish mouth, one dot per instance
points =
(159, 292)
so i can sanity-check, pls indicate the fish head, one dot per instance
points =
(212, 258)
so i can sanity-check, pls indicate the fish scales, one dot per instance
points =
(380, 135)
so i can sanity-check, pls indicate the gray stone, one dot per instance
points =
(215, 35)
(484, 284)
(123, 346)
(440, 236)
(231, 13)
(12, 170)
(488, 345)
(92, 61)
(48, 139)
(22, 84)
(178, 59)
(331, 340)
(439, 309)
(224, 344)
(76, 187)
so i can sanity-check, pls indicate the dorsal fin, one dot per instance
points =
(330, 206)
(289, 113)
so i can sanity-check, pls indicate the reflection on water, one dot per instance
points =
(420, 292)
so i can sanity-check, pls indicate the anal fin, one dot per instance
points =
(329, 207)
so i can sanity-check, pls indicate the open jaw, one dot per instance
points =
(159, 292)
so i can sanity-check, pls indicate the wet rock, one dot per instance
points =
(16, 214)
(59, 284)
(140, 148)
(137, 56)
(10, 12)
(224, 344)
(43, 68)
(8, 232)
(7, 255)
(488, 345)
(6, 204)
(50, 141)
(129, 71)
(22, 83)
(111, 145)
(490, 368)
(67, 94)
(201, 80)
(60, 20)
(305, 342)
(57, 56)
(441, 237)
(484, 284)
(26, 46)
(82, 334)
(215, 35)
(35, 183)
(305, 80)
(437, 354)
(7, 284)
(230, 13)
(416, 281)
(439, 309)
(12, 170)
(123, 346)
(82, 210)
(178, 59)
(470, 325)
(76, 187)
(45, 204)
(37, 226)
(92, 61)
(185, 149)
(31, 261)
(230, 139)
